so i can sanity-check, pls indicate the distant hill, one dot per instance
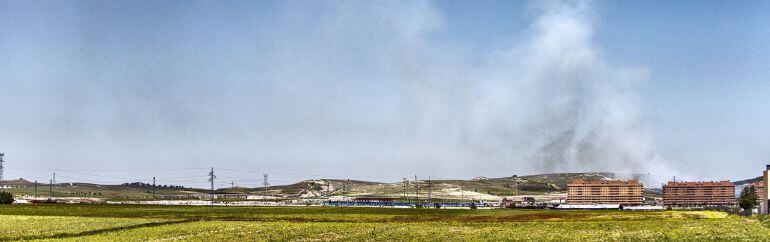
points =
(747, 181)
(479, 187)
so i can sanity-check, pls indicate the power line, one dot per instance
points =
(111, 170)
(100, 177)
(80, 173)
(86, 172)
(122, 179)
(306, 174)
(204, 168)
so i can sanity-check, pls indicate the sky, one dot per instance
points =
(123, 91)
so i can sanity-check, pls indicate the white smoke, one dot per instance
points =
(548, 103)
(564, 106)
(361, 87)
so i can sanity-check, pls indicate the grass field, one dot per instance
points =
(121, 222)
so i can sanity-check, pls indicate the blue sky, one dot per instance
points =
(106, 91)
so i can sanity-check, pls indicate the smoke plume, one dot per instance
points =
(370, 88)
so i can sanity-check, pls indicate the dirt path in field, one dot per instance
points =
(102, 231)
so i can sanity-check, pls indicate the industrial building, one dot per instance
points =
(623, 192)
(702, 193)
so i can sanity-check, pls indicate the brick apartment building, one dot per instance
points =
(623, 192)
(705, 193)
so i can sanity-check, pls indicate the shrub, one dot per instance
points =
(473, 206)
(437, 205)
(6, 198)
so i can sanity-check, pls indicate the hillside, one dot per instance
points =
(747, 181)
(477, 188)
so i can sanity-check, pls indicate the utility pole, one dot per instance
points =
(328, 190)
(264, 186)
(462, 191)
(2, 160)
(406, 184)
(50, 189)
(35, 188)
(416, 191)
(53, 183)
(153, 188)
(516, 190)
(429, 192)
(211, 179)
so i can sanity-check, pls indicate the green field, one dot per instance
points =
(122, 222)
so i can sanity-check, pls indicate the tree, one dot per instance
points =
(748, 198)
(6, 198)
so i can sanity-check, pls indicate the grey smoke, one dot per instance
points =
(550, 103)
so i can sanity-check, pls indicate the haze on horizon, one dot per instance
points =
(114, 92)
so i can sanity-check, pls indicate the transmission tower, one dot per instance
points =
(264, 186)
(406, 185)
(416, 191)
(429, 192)
(50, 186)
(50, 189)
(211, 180)
(345, 186)
(153, 188)
(2, 160)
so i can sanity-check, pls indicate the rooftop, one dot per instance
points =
(699, 184)
(605, 183)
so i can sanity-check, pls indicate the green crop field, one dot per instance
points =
(124, 222)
